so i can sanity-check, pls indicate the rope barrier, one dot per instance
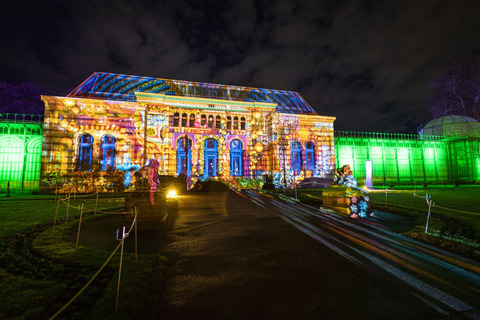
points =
(436, 205)
(86, 285)
(96, 274)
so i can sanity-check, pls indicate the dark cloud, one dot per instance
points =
(366, 62)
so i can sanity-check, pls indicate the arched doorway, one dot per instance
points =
(236, 158)
(296, 157)
(184, 156)
(108, 152)
(85, 154)
(211, 157)
(310, 151)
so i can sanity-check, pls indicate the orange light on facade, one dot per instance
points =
(64, 123)
(259, 146)
(257, 114)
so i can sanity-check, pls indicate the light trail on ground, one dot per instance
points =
(445, 282)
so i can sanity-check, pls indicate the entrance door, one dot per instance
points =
(184, 156)
(211, 157)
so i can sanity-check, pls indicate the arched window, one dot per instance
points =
(210, 121)
(211, 157)
(310, 152)
(176, 119)
(85, 154)
(242, 123)
(235, 123)
(229, 122)
(236, 158)
(192, 121)
(203, 121)
(218, 122)
(108, 152)
(184, 120)
(296, 157)
(184, 156)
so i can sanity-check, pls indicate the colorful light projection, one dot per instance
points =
(182, 128)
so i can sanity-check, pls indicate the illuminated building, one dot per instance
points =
(201, 130)
(447, 151)
(95, 136)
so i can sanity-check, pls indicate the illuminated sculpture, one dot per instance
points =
(147, 176)
(345, 197)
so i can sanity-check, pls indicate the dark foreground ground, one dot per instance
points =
(245, 256)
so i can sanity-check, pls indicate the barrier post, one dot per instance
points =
(96, 202)
(124, 235)
(79, 226)
(68, 207)
(135, 219)
(415, 201)
(428, 197)
(56, 213)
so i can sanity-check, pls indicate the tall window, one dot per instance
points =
(310, 152)
(85, 154)
(236, 158)
(211, 157)
(108, 152)
(203, 122)
(235, 123)
(242, 123)
(192, 121)
(176, 119)
(229, 123)
(184, 156)
(296, 157)
(184, 120)
(218, 122)
(210, 121)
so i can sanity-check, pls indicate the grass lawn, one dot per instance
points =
(39, 272)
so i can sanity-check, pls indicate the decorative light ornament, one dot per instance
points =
(260, 132)
(257, 114)
(75, 110)
(259, 146)
(64, 123)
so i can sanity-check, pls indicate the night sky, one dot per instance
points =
(368, 63)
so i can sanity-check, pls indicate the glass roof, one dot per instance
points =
(121, 87)
(449, 119)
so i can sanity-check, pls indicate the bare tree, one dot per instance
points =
(457, 90)
(21, 98)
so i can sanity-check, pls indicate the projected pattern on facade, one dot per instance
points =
(114, 123)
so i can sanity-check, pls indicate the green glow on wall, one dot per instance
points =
(20, 154)
(408, 159)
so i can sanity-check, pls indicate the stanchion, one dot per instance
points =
(56, 213)
(68, 207)
(96, 203)
(415, 202)
(79, 226)
(428, 197)
(135, 219)
(124, 235)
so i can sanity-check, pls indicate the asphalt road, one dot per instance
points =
(241, 255)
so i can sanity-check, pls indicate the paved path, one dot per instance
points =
(246, 256)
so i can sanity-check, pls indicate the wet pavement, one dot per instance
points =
(240, 255)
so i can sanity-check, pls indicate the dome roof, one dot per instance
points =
(450, 119)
